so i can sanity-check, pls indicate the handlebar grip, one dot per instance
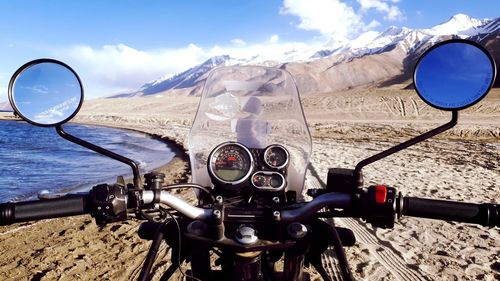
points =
(69, 205)
(483, 214)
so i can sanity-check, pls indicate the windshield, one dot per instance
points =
(254, 106)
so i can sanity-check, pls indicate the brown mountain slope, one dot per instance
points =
(342, 73)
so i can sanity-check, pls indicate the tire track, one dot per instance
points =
(402, 107)
(388, 257)
(329, 260)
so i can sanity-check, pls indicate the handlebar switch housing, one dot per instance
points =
(109, 203)
(379, 205)
(343, 180)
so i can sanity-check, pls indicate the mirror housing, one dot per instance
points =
(45, 92)
(454, 74)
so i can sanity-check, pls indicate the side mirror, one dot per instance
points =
(454, 74)
(46, 92)
(451, 75)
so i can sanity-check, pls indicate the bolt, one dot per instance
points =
(217, 214)
(276, 200)
(297, 230)
(276, 215)
(219, 199)
(246, 234)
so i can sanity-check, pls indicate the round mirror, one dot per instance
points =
(45, 92)
(454, 74)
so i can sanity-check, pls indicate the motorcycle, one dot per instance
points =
(249, 149)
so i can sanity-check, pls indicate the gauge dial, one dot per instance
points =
(231, 163)
(268, 181)
(276, 156)
(259, 180)
(276, 181)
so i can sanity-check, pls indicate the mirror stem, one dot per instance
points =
(105, 152)
(408, 143)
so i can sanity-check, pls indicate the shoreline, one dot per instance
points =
(338, 129)
(83, 250)
(177, 149)
(180, 153)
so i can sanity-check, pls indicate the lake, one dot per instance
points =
(34, 158)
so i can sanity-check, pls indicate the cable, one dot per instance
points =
(146, 216)
(233, 200)
(189, 185)
(152, 254)
(179, 250)
(186, 185)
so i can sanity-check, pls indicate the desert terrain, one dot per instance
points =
(462, 164)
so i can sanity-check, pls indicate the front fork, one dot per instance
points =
(293, 267)
(243, 266)
(250, 266)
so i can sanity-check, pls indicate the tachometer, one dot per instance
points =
(230, 163)
(276, 156)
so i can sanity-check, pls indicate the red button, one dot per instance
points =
(380, 194)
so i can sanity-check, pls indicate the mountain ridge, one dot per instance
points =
(337, 65)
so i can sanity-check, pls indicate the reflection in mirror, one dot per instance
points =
(45, 92)
(454, 74)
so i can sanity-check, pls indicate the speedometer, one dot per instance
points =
(230, 163)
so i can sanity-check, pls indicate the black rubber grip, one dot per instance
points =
(69, 205)
(483, 214)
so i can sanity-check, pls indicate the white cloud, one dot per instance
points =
(373, 24)
(332, 18)
(114, 68)
(391, 12)
(268, 50)
(3, 94)
(337, 19)
(58, 112)
(274, 38)
(3, 86)
(238, 42)
(38, 89)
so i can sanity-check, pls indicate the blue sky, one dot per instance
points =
(120, 45)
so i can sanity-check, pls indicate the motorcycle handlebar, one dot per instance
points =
(483, 214)
(178, 204)
(77, 204)
(333, 199)
(69, 205)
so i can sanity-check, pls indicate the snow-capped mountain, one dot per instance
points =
(372, 42)
(382, 57)
(182, 80)
(459, 24)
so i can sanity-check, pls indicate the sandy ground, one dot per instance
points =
(463, 164)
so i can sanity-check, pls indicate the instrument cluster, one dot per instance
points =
(232, 166)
